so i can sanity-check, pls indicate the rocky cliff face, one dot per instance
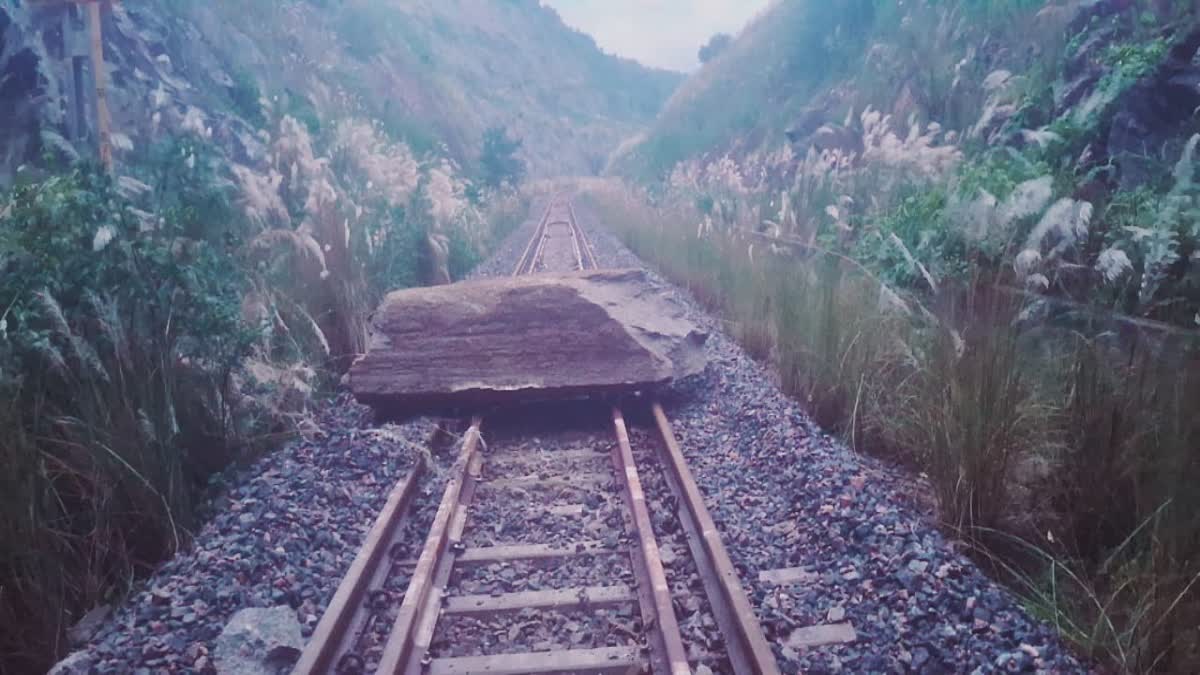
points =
(435, 74)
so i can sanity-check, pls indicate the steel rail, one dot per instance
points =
(749, 651)
(407, 649)
(401, 650)
(581, 239)
(747, 646)
(348, 612)
(533, 249)
(657, 610)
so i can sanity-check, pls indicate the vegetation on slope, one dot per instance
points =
(181, 314)
(968, 238)
(439, 73)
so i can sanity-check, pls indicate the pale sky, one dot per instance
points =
(662, 33)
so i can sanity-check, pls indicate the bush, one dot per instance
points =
(117, 347)
(498, 163)
(247, 99)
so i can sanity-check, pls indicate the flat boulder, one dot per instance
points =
(498, 341)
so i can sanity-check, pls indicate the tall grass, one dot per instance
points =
(117, 352)
(153, 332)
(1064, 450)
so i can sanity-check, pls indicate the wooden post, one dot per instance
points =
(103, 118)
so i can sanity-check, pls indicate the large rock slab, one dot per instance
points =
(509, 340)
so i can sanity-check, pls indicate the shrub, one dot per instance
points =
(117, 346)
(498, 163)
(247, 99)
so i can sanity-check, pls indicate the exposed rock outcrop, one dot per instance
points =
(1152, 119)
(508, 340)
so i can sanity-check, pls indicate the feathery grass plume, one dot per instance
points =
(979, 215)
(1067, 222)
(81, 352)
(1000, 106)
(997, 80)
(1184, 173)
(195, 122)
(1113, 263)
(260, 199)
(104, 236)
(1159, 250)
(444, 194)
(919, 151)
(1026, 262)
(1043, 138)
(913, 262)
(300, 243)
(389, 168)
(1027, 199)
(987, 219)
(294, 152)
(53, 313)
(890, 301)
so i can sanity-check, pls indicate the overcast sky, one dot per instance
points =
(663, 33)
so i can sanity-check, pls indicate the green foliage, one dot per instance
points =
(993, 11)
(463, 253)
(1131, 61)
(119, 339)
(715, 45)
(997, 172)
(498, 162)
(400, 258)
(401, 126)
(300, 107)
(914, 231)
(246, 99)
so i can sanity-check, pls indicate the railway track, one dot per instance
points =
(542, 556)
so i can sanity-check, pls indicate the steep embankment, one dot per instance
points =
(968, 235)
(436, 75)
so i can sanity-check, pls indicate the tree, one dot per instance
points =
(716, 44)
(499, 163)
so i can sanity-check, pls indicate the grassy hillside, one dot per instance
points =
(967, 234)
(435, 73)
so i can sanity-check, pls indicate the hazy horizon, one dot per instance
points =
(659, 33)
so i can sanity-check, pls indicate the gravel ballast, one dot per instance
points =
(282, 534)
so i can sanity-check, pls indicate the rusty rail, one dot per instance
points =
(653, 590)
(407, 649)
(332, 643)
(533, 249)
(749, 652)
(409, 638)
(748, 649)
